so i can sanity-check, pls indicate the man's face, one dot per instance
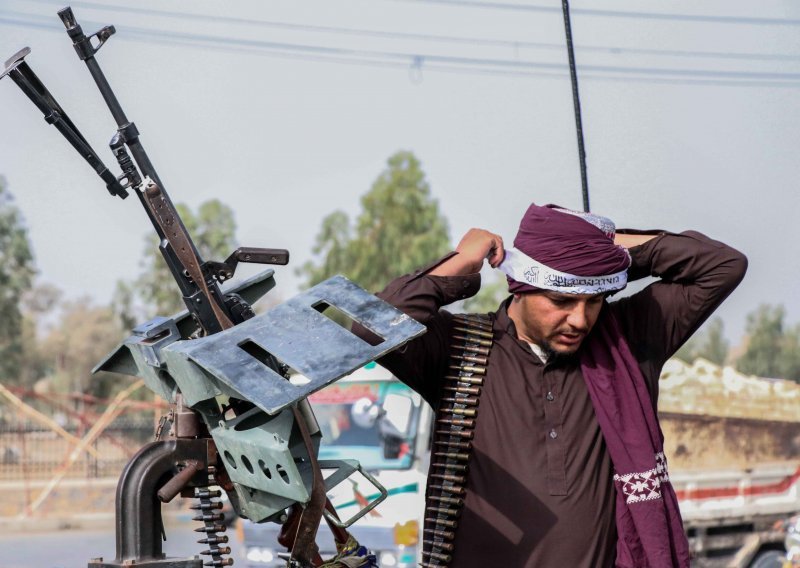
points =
(556, 322)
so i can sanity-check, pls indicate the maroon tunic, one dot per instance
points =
(540, 489)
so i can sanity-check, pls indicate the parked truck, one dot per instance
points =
(733, 444)
(732, 441)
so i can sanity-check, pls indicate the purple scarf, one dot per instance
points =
(649, 527)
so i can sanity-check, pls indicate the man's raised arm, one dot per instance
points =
(475, 247)
(695, 275)
(421, 294)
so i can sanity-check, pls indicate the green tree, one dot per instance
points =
(716, 347)
(765, 342)
(39, 305)
(399, 229)
(83, 336)
(710, 344)
(789, 362)
(688, 351)
(154, 292)
(493, 291)
(123, 304)
(16, 276)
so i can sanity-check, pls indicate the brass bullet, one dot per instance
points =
(446, 546)
(215, 528)
(479, 320)
(449, 500)
(460, 479)
(209, 517)
(449, 523)
(443, 557)
(454, 444)
(452, 456)
(465, 422)
(207, 506)
(219, 539)
(469, 369)
(443, 511)
(454, 489)
(466, 379)
(450, 466)
(457, 433)
(471, 348)
(463, 390)
(471, 359)
(448, 535)
(216, 551)
(219, 563)
(444, 522)
(481, 342)
(473, 331)
(471, 412)
(466, 400)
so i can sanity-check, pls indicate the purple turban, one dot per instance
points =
(566, 251)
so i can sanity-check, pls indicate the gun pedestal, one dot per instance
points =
(139, 526)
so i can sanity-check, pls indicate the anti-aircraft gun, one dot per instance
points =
(237, 382)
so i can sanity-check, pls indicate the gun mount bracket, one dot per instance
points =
(344, 469)
(298, 335)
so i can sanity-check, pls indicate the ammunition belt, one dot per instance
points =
(453, 432)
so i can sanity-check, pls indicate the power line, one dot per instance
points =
(451, 63)
(358, 32)
(617, 13)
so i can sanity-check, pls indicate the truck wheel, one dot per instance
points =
(769, 559)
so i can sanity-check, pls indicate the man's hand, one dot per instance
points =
(629, 240)
(475, 247)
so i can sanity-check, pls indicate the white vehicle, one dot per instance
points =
(371, 417)
(738, 518)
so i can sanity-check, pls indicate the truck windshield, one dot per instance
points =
(348, 415)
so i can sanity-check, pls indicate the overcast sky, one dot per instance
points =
(288, 110)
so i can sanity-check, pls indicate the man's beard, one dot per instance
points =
(553, 356)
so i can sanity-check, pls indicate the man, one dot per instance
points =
(566, 463)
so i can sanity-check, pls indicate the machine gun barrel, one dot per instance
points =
(200, 291)
(21, 73)
(86, 50)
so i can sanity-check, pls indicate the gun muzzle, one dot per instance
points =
(83, 44)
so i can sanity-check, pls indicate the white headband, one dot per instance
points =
(522, 268)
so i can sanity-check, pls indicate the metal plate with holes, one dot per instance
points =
(298, 335)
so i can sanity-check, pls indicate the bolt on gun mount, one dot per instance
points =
(218, 349)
